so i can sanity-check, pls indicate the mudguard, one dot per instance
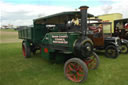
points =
(114, 44)
(124, 41)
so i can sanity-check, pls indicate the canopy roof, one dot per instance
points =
(59, 18)
(125, 19)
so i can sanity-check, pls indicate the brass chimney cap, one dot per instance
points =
(83, 7)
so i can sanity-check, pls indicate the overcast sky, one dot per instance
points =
(22, 12)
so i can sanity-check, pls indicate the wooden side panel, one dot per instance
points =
(98, 41)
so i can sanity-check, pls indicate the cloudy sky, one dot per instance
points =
(22, 12)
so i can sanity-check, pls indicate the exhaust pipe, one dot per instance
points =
(84, 14)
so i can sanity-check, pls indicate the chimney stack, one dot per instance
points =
(84, 15)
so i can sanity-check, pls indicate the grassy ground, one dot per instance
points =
(8, 30)
(16, 70)
(8, 36)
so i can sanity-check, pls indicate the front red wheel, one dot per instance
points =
(76, 70)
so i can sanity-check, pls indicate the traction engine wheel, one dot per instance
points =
(111, 51)
(93, 61)
(124, 48)
(26, 50)
(76, 70)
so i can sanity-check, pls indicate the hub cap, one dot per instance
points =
(74, 72)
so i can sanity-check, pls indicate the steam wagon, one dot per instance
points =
(60, 39)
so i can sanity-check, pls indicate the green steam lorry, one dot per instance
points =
(59, 41)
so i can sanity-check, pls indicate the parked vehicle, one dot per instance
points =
(60, 39)
(121, 30)
(101, 35)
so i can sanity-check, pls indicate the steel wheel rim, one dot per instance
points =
(124, 48)
(111, 52)
(75, 72)
(23, 50)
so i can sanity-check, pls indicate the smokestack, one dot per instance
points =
(83, 10)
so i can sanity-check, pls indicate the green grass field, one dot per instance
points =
(8, 30)
(8, 36)
(16, 70)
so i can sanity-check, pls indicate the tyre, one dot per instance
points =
(26, 50)
(76, 70)
(93, 61)
(124, 48)
(111, 51)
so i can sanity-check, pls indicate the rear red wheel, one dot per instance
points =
(76, 70)
(93, 61)
(40, 50)
(26, 50)
(23, 50)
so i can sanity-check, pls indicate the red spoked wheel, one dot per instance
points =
(76, 70)
(93, 61)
